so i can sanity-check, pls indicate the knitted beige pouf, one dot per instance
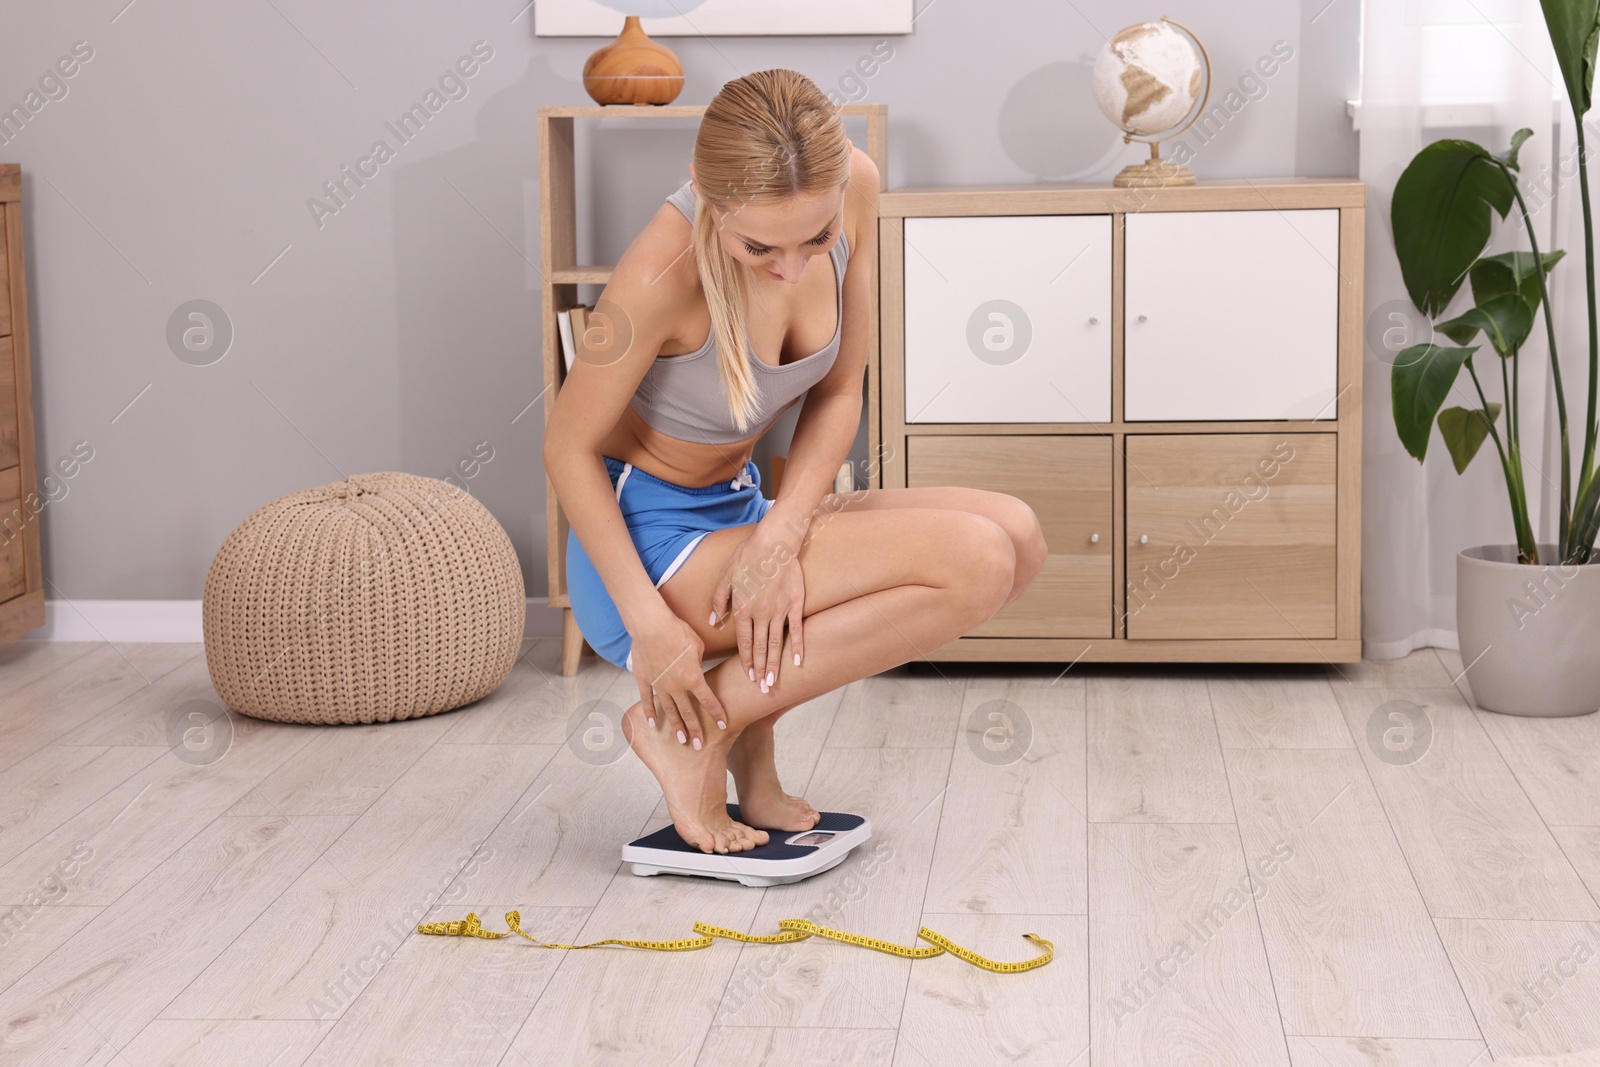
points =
(384, 596)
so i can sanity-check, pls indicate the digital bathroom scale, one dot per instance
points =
(788, 855)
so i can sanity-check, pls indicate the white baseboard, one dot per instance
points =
(162, 621)
(1407, 645)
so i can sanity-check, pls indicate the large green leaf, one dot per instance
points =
(1573, 26)
(1464, 432)
(1494, 276)
(1505, 321)
(1419, 381)
(1440, 217)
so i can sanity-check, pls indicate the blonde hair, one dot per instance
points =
(764, 138)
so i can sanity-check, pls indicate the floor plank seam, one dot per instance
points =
(1244, 858)
(150, 683)
(933, 850)
(1411, 873)
(93, 801)
(1549, 828)
(319, 854)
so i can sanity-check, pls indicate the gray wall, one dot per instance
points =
(402, 330)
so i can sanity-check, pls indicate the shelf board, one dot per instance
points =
(598, 111)
(1058, 198)
(1070, 650)
(583, 274)
(670, 111)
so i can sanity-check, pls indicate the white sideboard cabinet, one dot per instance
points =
(1171, 378)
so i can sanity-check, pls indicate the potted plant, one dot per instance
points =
(1528, 613)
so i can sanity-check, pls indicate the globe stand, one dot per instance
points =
(1153, 173)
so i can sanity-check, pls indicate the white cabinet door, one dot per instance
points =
(1008, 319)
(1231, 315)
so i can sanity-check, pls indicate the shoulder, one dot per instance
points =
(861, 201)
(660, 261)
(657, 277)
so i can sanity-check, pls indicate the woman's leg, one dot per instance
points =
(751, 758)
(882, 586)
(1012, 515)
(753, 761)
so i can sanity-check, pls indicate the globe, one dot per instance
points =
(1147, 78)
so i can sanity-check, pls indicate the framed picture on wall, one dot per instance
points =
(706, 18)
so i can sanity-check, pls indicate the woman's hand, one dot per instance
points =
(764, 583)
(667, 667)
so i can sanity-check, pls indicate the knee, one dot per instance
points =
(984, 564)
(1022, 526)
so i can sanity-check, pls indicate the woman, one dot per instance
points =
(674, 554)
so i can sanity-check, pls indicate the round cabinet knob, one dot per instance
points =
(1144, 539)
(1094, 539)
(1144, 318)
(1094, 320)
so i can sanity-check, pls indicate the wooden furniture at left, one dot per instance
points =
(561, 274)
(21, 579)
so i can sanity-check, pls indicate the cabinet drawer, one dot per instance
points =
(1067, 482)
(8, 405)
(13, 570)
(1231, 315)
(1231, 535)
(1008, 319)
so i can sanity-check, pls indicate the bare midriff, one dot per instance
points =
(672, 459)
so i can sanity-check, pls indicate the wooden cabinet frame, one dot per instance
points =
(889, 431)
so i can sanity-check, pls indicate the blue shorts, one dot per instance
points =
(666, 522)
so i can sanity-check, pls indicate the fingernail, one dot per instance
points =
(721, 725)
(652, 720)
(771, 678)
(797, 659)
(713, 618)
(763, 687)
(681, 738)
(752, 674)
(697, 744)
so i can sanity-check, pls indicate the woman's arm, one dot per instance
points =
(611, 362)
(831, 412)
(626, 330)
(829, 419)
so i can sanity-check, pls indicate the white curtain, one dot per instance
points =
(1478, 70)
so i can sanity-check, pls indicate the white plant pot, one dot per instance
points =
(1530, 636)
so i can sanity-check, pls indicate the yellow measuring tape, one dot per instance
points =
(793, 930)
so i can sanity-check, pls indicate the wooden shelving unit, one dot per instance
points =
(562, 274)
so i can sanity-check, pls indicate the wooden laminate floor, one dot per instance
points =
(1314, 866)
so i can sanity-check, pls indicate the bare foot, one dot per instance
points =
(762, 801)
(695, 785)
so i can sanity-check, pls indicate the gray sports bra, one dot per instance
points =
(682, 396)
